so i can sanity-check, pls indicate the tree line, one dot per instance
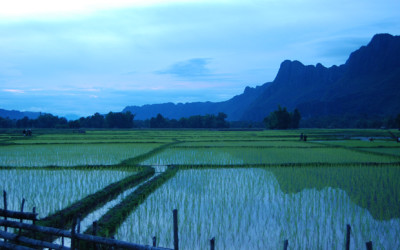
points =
(282, 119)
(116, 120)
(110, 120)
(353, 121)
(196, 121)
(278, 119)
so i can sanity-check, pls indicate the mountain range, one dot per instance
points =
(368, 83)
(15, 114)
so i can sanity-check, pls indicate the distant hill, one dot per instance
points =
(368, 83)
(14, 114)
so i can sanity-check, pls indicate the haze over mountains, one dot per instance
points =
(15, 114)
(368, 83)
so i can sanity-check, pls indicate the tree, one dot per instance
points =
(50, 121)
(24, 123)
(282, 119)
(97, 121)
(195, 121)
(6, 122)
(221, 123)
(119, 120)
(158, 122)
(74, 124)
(295, 118)
(398, 121)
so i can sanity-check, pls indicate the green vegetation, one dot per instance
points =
(70, 154)
(110, 120)
(109, 223)
(282, 119)
(197, 121)
(335, 174)
(52, 190)
(374, 188)
(263, 156)
(246, 209)
(64, 217)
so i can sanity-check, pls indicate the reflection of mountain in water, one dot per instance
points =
(246, 209)
(374, 188)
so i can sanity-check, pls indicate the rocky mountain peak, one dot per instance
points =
(381, 54)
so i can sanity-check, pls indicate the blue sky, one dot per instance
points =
(82, 57)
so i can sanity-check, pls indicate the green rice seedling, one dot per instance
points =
(245, 209)
(384, 150)
(70, 155)
(232, 156)
(375, 188)
(255, 144)
(52, 190)
(363, 144)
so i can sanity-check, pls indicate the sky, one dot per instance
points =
(80, 57)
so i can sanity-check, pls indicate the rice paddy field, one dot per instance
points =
(248, 189)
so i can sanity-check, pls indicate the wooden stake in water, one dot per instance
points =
(212, 244)
(73, 234)
(94, 233)
(78, 228)
(22, 210)
(369, 245)
(285, 244)
(348, 229)
(154, 241)
(176, 239)
(5, 206)
(79, 224)
(34, 221)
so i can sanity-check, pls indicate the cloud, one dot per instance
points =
(206, 50)
(46, 8)
(193, 68)
(16, 91)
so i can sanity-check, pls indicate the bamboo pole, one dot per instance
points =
(5, 245)
(175, 219)
(73, 233)
(94, 233)
(34, 212)
(29, 241)
(18, 215)
(22, 210)
(348, 229)
(84, 237)
(78, 228)
(34, 220)
(285, 245)
(5, 206)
